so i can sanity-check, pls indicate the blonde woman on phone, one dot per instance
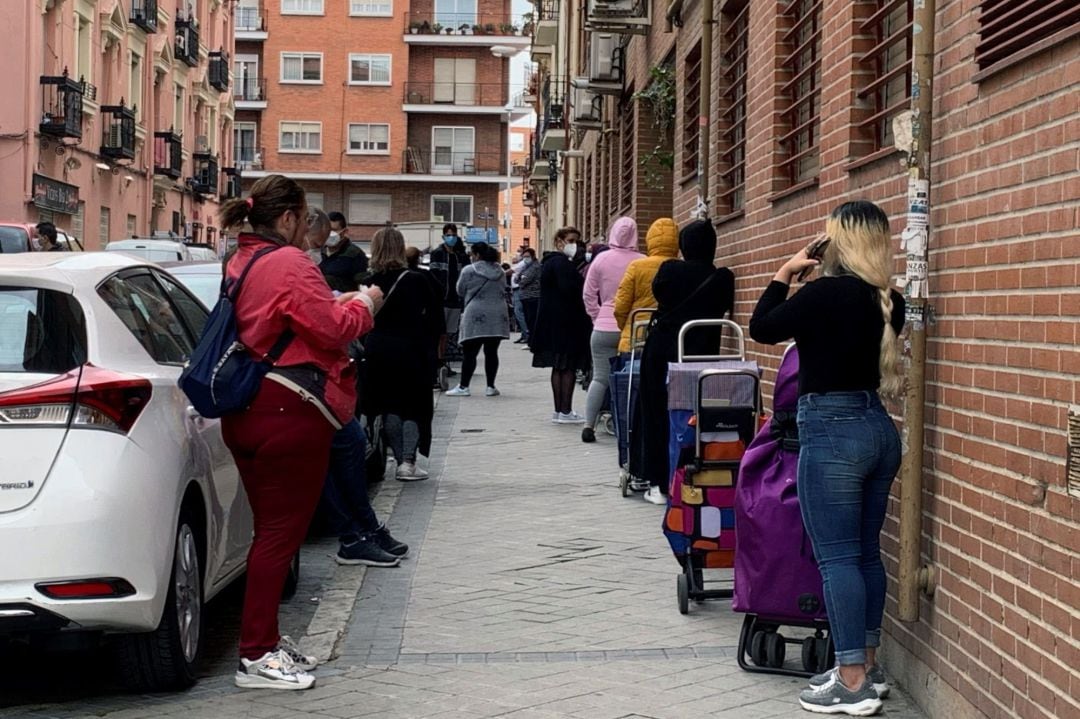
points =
(845, 325)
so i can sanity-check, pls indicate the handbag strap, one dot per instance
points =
(285, 339)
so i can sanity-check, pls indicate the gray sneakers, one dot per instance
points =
(306, 662)
(274, 670)
(875, 674)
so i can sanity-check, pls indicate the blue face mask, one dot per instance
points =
(450, 240)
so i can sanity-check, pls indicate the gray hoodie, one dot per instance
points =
(482, 287)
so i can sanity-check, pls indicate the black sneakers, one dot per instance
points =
(366, 551)
(390, 545)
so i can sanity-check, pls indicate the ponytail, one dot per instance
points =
(270, 198)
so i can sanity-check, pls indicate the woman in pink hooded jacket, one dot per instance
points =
(601, 285)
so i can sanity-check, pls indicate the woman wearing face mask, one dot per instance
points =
(281, 443)
(561, 337)
(529, 286)
(485, 322)
(446, 262)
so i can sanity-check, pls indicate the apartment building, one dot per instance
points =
(517, 220)
(117, 120)
(385, 111)
(803, 95)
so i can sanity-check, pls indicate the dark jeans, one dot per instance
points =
(491, 359)
(345, 494)
(531, 306)
(848, 457)
(519, 313)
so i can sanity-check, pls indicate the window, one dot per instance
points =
(455, 13)
(244, 134)
(84, 28)
(369, 209)
(1012, 30)
(691, 113)
(517, 142)
(378, 8)
(451, 208)
(301, 137)
(41, 331)
(526, 217)
(455, 81)
(178, 111)
(453, 150)
(735, 48)
(136, 85)
(889, 87)
(626, 172)
(301, 67)
(801, 53)
(369, 69)
(246, 78)
(78, 219)
(315, 199)
(104, 223)
(143, 307)
(367, 139)
(193, 314)
(301, 7)
(131, 220)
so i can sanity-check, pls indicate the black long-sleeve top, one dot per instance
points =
(836, 323)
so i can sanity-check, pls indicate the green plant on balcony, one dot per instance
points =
(478, 30)
(414, 27)
(527, 23)
(465, 29)
(659, 98)
(436, 28)
(506, 28)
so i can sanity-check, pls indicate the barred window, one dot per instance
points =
(802, 61)
(1012, 30)
(691, 110)
(890, 61)
(587, 194)
(628, 155)
(734, 50)
(613, 154)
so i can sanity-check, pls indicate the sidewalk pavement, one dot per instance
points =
(533, 591)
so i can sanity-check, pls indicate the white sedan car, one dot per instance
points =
(121, 510)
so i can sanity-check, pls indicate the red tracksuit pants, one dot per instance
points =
(281, 445)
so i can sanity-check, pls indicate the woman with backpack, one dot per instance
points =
(485, 321)
(281, 441)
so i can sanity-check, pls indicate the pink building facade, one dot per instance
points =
(117, 116)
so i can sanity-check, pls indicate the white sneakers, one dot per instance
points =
(570, 418)
(409, 472)
(460, 391)
(491, 392)
(655, 496)
(273, 670)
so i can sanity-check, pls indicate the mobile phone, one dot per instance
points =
(815, 252)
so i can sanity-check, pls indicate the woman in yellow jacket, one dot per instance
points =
(635, 290)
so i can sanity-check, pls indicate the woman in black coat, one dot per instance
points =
(688, 289)
(560, 339)
(397, 351)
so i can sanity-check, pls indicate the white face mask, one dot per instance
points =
(333, 240)
(526, 261)
(570, 249)
(588, 257)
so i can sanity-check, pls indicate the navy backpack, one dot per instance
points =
(222, 377)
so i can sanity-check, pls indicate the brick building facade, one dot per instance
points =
(383, 111)
(803, 98)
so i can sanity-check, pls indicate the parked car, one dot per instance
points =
(152, 250)
(121, 510)
(19, 237)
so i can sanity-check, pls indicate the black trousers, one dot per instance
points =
(471, 348)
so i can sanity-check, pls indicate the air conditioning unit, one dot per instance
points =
(619, 16)
(603, 54)
(587, 105)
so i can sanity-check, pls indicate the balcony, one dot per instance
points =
(233, 188)
(144, 14)
(424, 27)
(61, 106)
(444, 161)
(546, 33)
(218, 72)
(247, 157)
(541, 172)
(250, 93)
(530, 198)
(187, 40)
(476, 98)
(118, 133)
(622, 17)
(168, 154)
(205, 179)
(552, 122)
(250, 24)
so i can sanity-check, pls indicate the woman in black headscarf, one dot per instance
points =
(688, 289)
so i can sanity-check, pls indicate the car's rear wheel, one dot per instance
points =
(166, 658)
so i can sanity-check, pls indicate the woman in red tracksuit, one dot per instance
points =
(281, 443)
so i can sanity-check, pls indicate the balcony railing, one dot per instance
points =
(250, 19)
(187, 40)
(61, 106)
(218, 72)
(144, 14)
(444, 161)
(233, 188)
(552, 101)
(118, 132)
(426, 22)
(455, 93)
(246, 157)
(250, 89)
(205, 179)
(168, 154)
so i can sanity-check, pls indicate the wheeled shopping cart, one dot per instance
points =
(625, 381)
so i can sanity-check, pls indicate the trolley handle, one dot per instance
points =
(704, 375)
(693, 324)
(635, 324)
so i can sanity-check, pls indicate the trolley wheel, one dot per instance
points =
(809, 654)
(608, 422)
(682, 587)
(624, 483)
(826, 655)
(775, 649)
(757, 648)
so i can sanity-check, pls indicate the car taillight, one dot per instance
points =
(86, 588)
(88, 397)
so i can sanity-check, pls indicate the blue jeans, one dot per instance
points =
(519, 313)
(849, 454)
(345, 496)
